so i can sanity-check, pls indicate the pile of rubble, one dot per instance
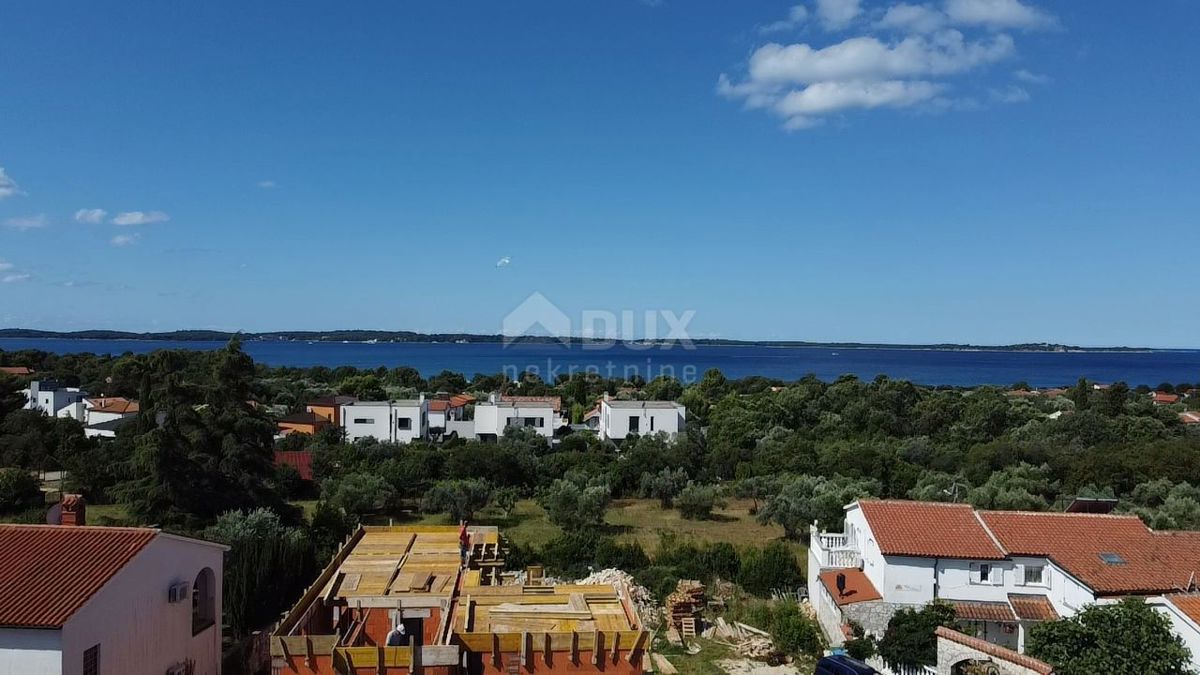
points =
(641, 598)
(745, 640)
(685, 603)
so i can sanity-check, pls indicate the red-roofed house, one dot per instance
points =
(1003, 571)
(101, 600)
(1190, 417)
(1163, 398)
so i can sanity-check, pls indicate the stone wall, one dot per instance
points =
(954, 648)
(873, 615)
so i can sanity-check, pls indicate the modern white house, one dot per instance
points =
(1003, 571)
(54, 399)
(401, 421)
(619, 419)
(500, 413)
(81, 600)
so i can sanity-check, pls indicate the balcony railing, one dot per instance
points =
(834, 549)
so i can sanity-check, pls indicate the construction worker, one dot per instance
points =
(396, 636)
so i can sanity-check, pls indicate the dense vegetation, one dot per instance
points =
(198, 459)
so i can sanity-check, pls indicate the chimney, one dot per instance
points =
(74, 511)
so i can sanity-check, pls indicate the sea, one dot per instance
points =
(963, 368)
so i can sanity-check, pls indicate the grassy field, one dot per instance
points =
(640, 520)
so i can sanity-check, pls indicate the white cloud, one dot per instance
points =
(1010, 94)
(837, 14)
(14, 278)
(139, 218)
(504, 262)
(267, 184)
(8, 187)
(5, 266)
(92, 216)
(998, 14)
(904, 54)
(27, 222)
(1032, 78)
(907, 18)
(124, 239)
(796, 17)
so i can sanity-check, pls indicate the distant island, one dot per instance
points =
(386, 336)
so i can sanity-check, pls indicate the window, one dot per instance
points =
(91, 660)
(363, 420)
(538, 422)
(1112, 559)
(634, 422)
(985, 573)
(1033, 575)
(404, 423)
(651, 424)
(204, 601)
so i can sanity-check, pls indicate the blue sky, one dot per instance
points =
(985, 171)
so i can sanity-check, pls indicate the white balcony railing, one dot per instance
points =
(842, 558)
(832, 540)
(834, 549)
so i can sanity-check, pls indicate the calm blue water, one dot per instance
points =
(958, 368)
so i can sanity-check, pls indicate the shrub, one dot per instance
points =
(459, 498)
(358, 493)
(794, 632)
(770, 568)
(573, 507)
(910, 640)
(721, 560)
(696, 502)
(19, 491)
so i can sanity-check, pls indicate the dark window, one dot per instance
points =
(985, 573)
(538, 422)
(403, 422)
(363, 420)
(634, 421)
(204, 601)
(652, 424)
(91, 661)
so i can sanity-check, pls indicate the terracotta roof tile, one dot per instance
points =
(1114, 555)
(969, 610)
(858, 587)
(995, 651)
(1188, 603)
(1029, 607)
(554, 401)
(16, 371)
(48, 572)
(439, 405)
(1190, 417)
(459, 400)
(300, 460)
(929, 530)
(1165, 398)
(114, 404)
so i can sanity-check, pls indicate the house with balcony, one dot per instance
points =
(399, 421)
(619, 419)
(80, 600)
(1002, 571)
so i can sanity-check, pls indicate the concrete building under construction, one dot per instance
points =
(451, 619)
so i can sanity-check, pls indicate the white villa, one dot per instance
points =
(1003, 571)
(55, 400)
(543, 414)
(619, 419)
(399, 421)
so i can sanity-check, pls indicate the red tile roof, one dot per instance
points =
(1188, 603)
(858, 587)
(1029, 607)
(967, 610)
(1190, 417)
(16, 371)
(995, 651)
(459, 400)
(301, 460)
(1140, 560)
(929, 530)
(439, 405)
(1164, 398)
(114, 404)
(554, 401)
(48, 572)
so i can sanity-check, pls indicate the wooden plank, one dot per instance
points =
(662, 665)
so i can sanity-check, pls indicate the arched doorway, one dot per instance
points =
(975, 667)
(204, 601)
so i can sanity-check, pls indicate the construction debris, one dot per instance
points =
(641, 598)
(747, 640)
(685, 603)
(662, 665)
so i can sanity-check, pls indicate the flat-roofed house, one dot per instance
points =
(457, 619)
(1003, 571)
(55, 399)
(401, 421)
(78, 600)
(619, 419)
